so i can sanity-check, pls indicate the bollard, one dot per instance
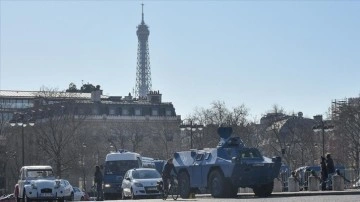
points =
(337, 183)
(277, 185)
(313, 183)
(293, 184)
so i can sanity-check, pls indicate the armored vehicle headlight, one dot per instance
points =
(107, 185)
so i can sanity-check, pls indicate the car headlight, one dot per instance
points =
(107, 185)
(138, 184)
(33, 186)
(57, 184)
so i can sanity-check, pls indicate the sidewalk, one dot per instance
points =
(313, 193)
(300, 193)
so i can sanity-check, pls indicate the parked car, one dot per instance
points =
(80, 195)
(140, 182)
(68, 190)
(38, 183)
(7, 198)
(357, 183)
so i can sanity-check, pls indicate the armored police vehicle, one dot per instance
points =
(222, 170)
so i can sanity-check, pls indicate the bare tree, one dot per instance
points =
(218, 114)
(347, 129)
(58, 124)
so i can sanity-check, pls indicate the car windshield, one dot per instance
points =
(39, 173)
(145, 174)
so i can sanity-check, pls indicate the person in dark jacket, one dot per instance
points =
(166, 173)
(330, 170)
(330, 164)
(98, 179)
(324, 173)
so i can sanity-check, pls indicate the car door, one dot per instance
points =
(21, 182)
(196, 170)
(126, 183)
(67, 187)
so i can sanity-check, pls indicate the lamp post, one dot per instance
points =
(22, 120)
(188, 124)
(321, 127)
(83, 165)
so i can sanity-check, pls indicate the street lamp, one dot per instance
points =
(83, 165)
(188, 124)
(321, 127)
(22, 120)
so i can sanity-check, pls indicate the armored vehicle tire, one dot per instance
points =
(217, 184)
(184, 185)
(264, 190)
(231, 191)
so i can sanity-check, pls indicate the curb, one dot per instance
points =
(293, 194)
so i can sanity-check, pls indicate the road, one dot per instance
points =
(318, 198)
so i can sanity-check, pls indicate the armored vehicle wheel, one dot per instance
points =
(231, 190)
(217, 184)
(264, 190)
(184, 185)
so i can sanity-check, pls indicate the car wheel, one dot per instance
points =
(82, 199)
(123, 197)
(71, 197)
(133, 195)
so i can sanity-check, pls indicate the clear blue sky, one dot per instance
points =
(300, 55)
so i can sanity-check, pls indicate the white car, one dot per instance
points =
(68, 190)
(79, 195)
(140, 182)
(39, 183)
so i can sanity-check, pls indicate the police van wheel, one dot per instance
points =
(217, 184)
(184, 185)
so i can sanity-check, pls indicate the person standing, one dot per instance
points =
(324, 173)
(330, 164)
(98, 179)
(330, 169)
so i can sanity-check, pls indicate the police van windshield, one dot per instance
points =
(120, 167)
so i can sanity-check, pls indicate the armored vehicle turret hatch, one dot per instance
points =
(222, 170)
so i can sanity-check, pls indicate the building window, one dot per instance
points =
(112, 111)
(95, 111)
(137, 112)
(168, 112)
(125, 112)
(154, 112)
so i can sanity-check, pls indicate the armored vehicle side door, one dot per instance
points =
(196, 170)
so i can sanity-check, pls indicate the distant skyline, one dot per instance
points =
(299, 55)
